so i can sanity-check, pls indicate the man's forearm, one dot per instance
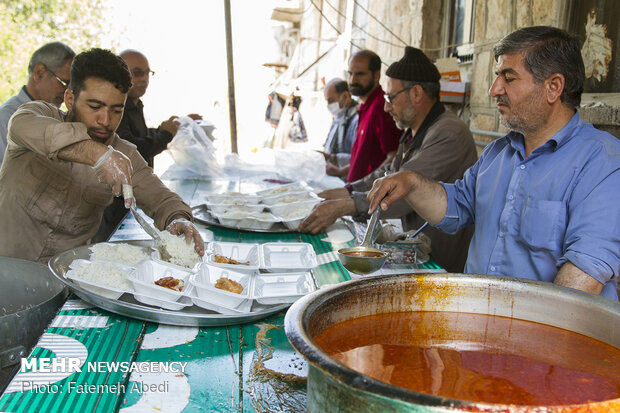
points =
(571, 276)
(428, 198)
(86, 152)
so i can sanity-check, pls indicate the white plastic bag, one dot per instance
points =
(192, 149)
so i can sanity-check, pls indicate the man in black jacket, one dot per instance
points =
(150, 141)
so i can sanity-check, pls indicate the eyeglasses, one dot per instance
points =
(140, 73)
(64, 84)
(389, 98)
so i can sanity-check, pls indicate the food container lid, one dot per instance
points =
(282, 288)
(287, 256)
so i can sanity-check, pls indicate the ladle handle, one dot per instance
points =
(367, 241)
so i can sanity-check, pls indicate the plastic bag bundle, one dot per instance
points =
(192, 149)
(300, 165)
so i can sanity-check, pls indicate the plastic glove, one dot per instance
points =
(183, 226)
(114, 168)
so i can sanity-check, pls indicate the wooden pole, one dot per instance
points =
(232, 111)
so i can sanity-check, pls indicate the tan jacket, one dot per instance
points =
(50, 205)
(447, 150)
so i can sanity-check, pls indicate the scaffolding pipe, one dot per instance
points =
(232, 108)
(486, 133)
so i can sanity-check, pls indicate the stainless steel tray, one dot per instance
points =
(202, 214)
(127, 306)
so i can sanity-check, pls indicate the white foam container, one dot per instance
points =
(155, 256)
(183, 302)
(301, 208)
(213, 307)
(101, 289)
(147, 272)
(223, 209)
(238, 251)
(204, 284)
(233, 198)
(282, 189)
(287, 256)
(282, 288)
(115, 245)
(290, 198)
(247, 221)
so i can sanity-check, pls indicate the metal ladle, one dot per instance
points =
(364, 259)
(146, 226)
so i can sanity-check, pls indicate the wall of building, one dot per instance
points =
(387, 26)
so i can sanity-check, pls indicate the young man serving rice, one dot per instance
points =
(61, 169)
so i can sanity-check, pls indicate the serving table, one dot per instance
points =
(130, 365)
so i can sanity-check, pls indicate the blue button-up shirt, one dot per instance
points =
(561, 203)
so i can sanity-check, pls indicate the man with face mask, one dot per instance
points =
(342, 133)
(62, 168)
(48, 77)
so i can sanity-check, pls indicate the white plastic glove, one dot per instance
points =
(114, 168)
(183, 226)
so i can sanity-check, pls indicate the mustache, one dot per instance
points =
(503, 100)
(140, 84)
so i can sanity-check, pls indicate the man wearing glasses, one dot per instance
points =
(435, 143)
(48, 77)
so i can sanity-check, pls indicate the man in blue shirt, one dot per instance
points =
(343, 131)
(544, 199)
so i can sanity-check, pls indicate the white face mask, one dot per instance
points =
(334, 108)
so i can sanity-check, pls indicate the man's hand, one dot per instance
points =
(333, 170)
(171, 125)
(390, 189)
(183, 226)
(326, 213)
(337, 193)
(114, 168)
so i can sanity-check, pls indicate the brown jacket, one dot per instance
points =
(447, 150)
(50, 205)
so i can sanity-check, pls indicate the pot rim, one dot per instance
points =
(305, 345)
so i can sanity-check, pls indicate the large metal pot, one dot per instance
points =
(30, 297)
(334, 387)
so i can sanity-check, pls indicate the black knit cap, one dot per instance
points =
(414, 66)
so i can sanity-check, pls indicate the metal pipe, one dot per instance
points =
(486, 133)
(232, 109)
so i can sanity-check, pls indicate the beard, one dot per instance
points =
(523, 116)
(357, 89)
(406, 120)
(98, 134)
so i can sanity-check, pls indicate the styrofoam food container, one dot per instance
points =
(236, 198)
(155, 256)
(204, 285)
(290, 198)
(287, 256)
(183, 302)
(242, 252)
(256, 220)
(294, 210)
(116, 245)
(101, 289)
(213, 307)
(282, 189)
(147, 272)
(227, 208)
(282, 288)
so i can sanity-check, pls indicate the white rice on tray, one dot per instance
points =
(103, 273)
(124, 253)
(181, 252)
